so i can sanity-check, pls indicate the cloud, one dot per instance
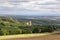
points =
(46, 6)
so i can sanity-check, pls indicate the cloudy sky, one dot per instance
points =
(30, 7)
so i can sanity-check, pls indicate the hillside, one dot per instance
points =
(11, 26)
(8, 21)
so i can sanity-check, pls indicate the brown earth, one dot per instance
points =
(47, 37)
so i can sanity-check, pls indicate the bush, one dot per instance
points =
(26, 31)
(15, 31)
(3, 31)
(36, 30)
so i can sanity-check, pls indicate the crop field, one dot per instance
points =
(23, 36)
(46, 37)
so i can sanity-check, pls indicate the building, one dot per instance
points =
(29, 23)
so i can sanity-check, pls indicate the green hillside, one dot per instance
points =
(11, 26)
(8, 22)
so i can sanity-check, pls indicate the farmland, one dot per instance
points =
(23, 36)
(46, 37)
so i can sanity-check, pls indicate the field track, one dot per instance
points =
(47, 37)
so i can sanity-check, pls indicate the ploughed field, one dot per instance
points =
(47, 37)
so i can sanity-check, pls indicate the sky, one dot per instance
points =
(30, 7)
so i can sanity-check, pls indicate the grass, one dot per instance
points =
(23, 36)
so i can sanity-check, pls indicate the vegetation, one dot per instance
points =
(10, 26)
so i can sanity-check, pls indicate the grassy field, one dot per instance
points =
(23, 36)
(46, 37)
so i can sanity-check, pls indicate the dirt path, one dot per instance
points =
(47, 37)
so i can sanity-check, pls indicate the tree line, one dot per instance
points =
(10, 26)
(26, 29)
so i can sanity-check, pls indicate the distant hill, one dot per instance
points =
(36, 20)
(39, 19)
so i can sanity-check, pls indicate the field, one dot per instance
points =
(41, 36)
(47, 37)
(23, 36)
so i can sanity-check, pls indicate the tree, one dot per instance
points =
(26, 31)
(1, 33)
(15, 31)
(4, 31)
(36, 30)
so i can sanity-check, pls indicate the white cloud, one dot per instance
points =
(7, 5)
(51, 6)
(43, 7)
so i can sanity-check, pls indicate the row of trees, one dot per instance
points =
(26, 29)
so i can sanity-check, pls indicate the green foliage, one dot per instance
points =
(9, 22)
(3, 31)
(10, 26)
(36, 30)
(26, 31)
(15, 31)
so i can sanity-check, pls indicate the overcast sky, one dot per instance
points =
(30, 7)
